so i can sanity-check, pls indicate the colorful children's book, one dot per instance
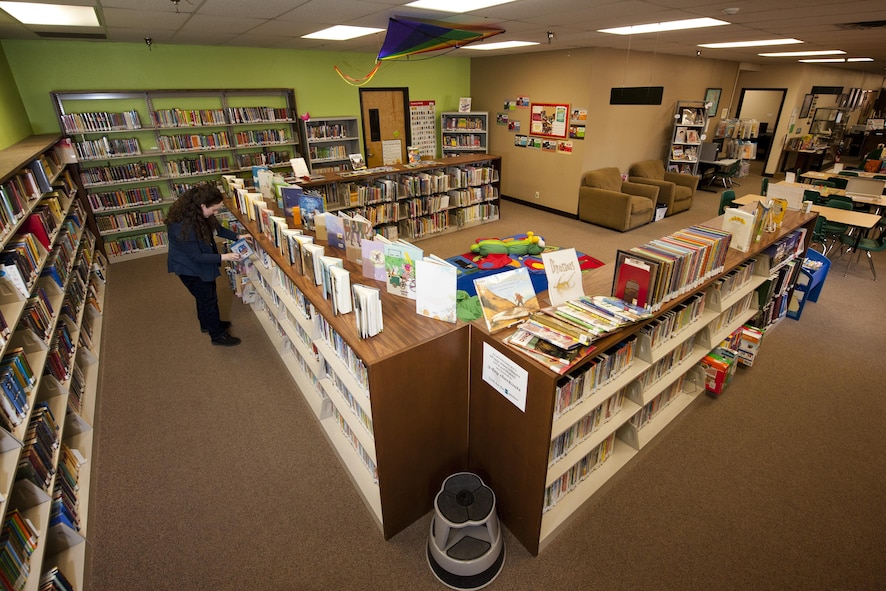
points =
(506, 298)
(310, 204)
(400, 257)
(372, 257)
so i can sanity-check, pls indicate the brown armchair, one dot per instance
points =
(676, 190)
(605, 200)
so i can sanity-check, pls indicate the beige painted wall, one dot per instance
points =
(617, 135)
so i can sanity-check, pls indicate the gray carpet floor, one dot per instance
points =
(210, 471)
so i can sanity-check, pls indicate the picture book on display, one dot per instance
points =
(400, 257)
(340, 280)
(357, 162)
(367, 310)
(564, 275)
(634, 278)
(335, 230)
(435, 281)
(372, 257)
(325, 268)
(506, 298)
(740, 224)
(310, 252)
(309, 205)
(357, 228)
(296, 251)
(242, 248)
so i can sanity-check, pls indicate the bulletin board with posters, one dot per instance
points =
(549, 119)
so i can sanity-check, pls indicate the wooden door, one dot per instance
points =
(384, 113)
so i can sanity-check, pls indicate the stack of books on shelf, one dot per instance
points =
(561, 336)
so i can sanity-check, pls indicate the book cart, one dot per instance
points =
(392, 406)
(541, 463)
(138, 150)
(51, 325)
(414, 201)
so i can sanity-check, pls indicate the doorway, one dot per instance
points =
(763, 105)
(385, 133)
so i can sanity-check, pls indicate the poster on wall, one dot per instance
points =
(549, 119)
(423, 125)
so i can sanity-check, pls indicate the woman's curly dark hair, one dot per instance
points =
(187, 210)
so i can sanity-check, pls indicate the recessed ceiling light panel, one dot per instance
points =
(342, 33)
(693, 23)
(499, 45)
(824, 60)
(803, 53)
(759, 43)
(458, 6)
(57, 15)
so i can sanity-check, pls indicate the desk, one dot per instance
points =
(712, 166)
(829, 174)
(849, 217)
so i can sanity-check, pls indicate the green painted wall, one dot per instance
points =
(39, 67)
(14, 124)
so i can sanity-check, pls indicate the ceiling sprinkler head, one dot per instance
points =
(149, 42)
(550, 36)
(730, 11)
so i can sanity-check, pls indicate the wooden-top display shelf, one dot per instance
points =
(460, 160)
(509, 447)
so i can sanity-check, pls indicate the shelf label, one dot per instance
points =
(504, 375)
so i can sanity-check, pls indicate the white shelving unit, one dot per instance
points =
(63, 358)
(464, 133)
(329, 142)
(138, 150)
(689, 131)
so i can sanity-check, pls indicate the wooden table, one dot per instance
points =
(849, 217)
(829, 174)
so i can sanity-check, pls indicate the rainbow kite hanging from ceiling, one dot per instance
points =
(410, 36)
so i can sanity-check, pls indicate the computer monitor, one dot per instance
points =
(708, 152)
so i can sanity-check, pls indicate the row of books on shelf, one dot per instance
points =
(37, 460)
(684, 135)
(18, 541)
(120, 246)
(738, 128)
(214, 117)
(660, 270)
(682, 152)
(122, 198)
(17, 379)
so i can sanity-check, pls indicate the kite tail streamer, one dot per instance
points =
(358, 81)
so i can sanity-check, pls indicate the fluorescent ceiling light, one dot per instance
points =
(30, 13)
(455, 5)
(500, 45)
(342, 33)
(693, 23)
(859, 59)
(803, 53)
(824, 60)
(761, 43)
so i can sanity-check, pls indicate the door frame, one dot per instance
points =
(405, 92)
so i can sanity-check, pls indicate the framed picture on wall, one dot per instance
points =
(549, 119)
(712, 99)
(807, 105)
